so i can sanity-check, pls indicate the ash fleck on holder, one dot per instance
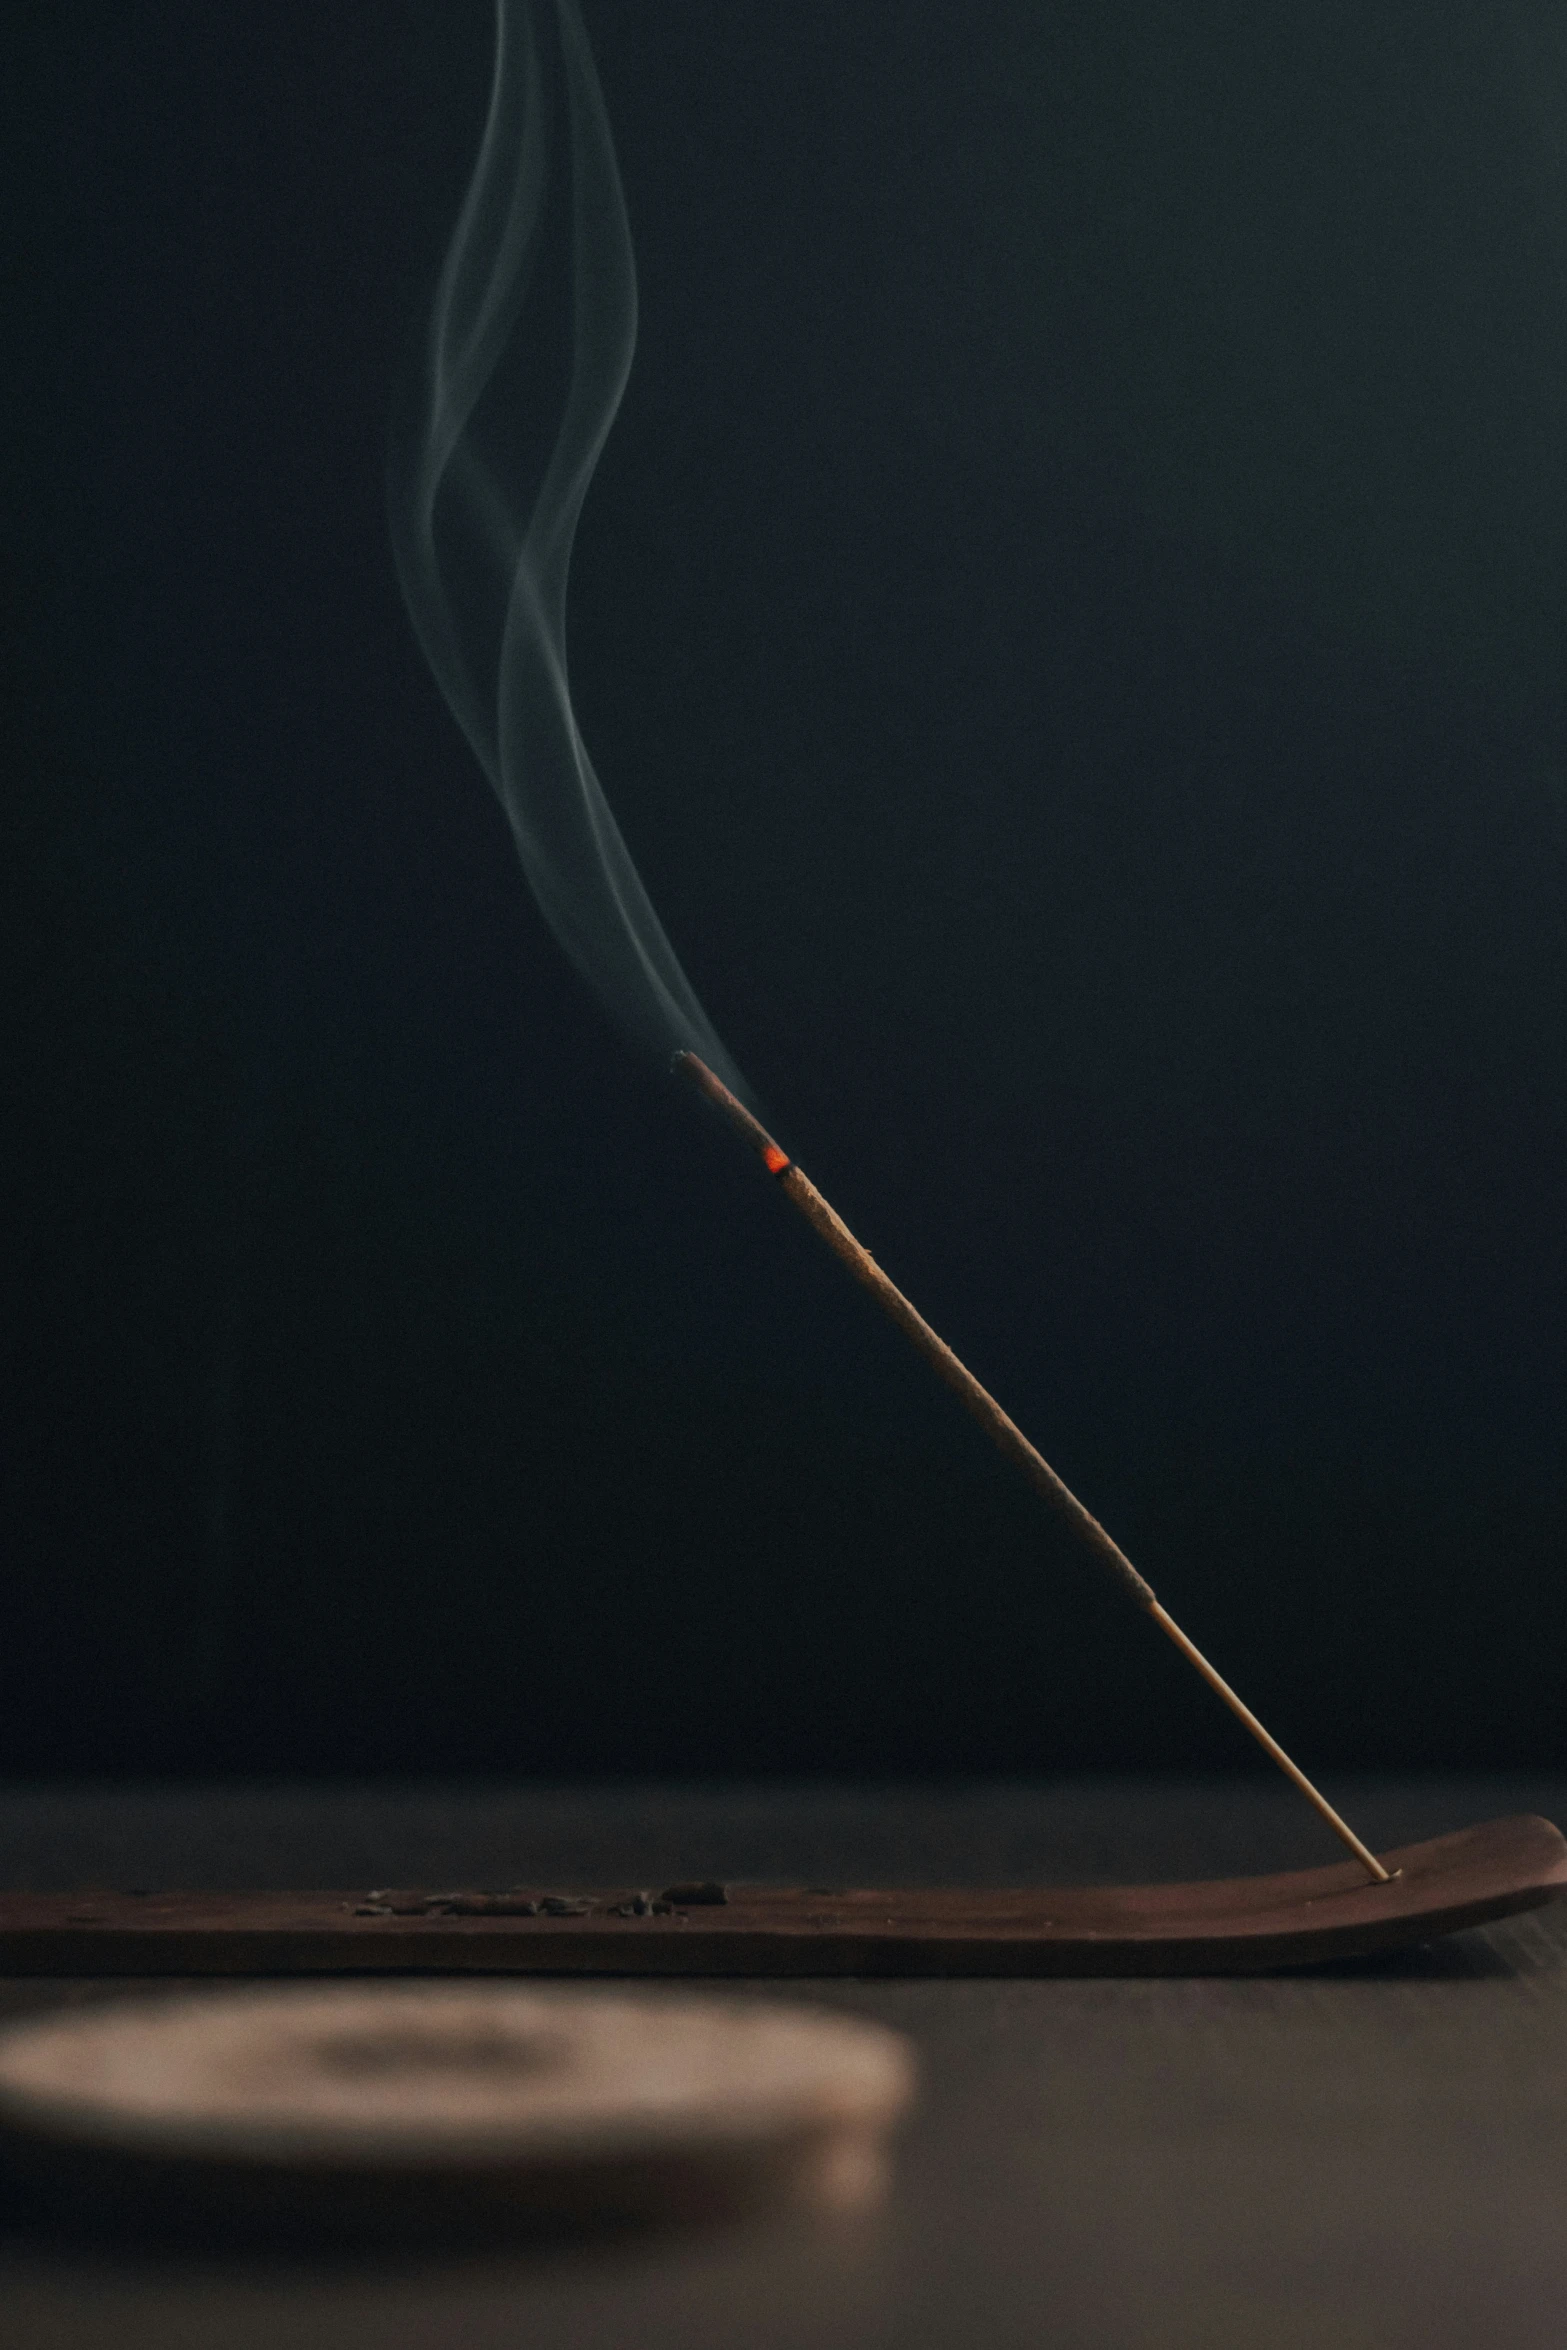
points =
(517, 1902)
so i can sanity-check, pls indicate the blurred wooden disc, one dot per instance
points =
(439, 2106)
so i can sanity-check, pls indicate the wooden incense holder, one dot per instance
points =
(1236, 1925)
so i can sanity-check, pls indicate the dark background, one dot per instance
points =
(1071, 619)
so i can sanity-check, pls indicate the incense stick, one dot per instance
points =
(1004, 1432)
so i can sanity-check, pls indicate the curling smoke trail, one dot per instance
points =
(483, 522)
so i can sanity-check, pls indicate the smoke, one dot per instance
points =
(526, 357)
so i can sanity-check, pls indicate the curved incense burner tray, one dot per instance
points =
(1236, 1925)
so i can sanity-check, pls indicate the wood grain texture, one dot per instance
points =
(1241, 1925)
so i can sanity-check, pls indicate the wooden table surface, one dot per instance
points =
(1371, 2156)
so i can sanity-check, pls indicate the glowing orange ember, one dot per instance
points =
(774, 1160)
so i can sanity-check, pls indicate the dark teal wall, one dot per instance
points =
(1070, 618)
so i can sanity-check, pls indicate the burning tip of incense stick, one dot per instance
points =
(774, 1159)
